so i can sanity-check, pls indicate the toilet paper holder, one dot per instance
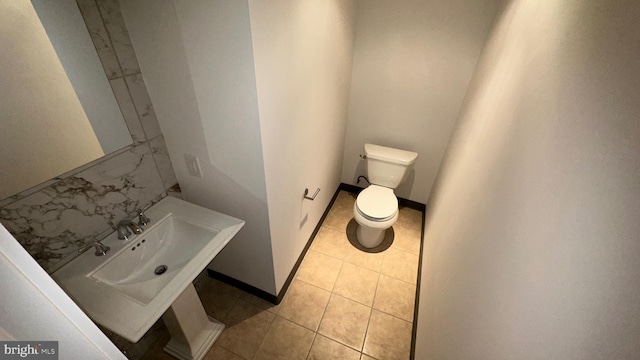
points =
(313, 197)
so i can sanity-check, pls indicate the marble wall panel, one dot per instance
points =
(129, 113)
(119, 35)
(163, 161)
(98, 32)
(56, 221)
(143, 105)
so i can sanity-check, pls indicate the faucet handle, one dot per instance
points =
(101, 249)
(123, 230)
(143, 220)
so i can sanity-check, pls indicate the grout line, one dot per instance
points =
(366, 332)
(218, 343)
(304, 326)
(135, 106)
(315, 335)
(320, 252)
(358, 301)
(315, 286)
(338, 341)
(265, 335)
(399, 318)
(234, 353)
(324, 311)
(109, 36)
(336, 280)
(404, 281)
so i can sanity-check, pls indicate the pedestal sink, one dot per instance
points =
(151, 275)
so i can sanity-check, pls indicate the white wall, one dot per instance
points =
(49, 314)
(197, 61)
(215, 102)
(412, 65)
(303, 54)
(531, 244)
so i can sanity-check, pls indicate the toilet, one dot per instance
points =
(376, 208)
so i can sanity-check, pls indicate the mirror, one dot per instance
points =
(58, 109)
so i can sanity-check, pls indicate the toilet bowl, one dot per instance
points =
(376, 207)
(375, 211)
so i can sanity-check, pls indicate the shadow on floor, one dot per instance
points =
(351, 235)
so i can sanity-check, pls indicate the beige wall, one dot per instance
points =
(531, 246)
(41, 113)
(413, 62)
(303, 52)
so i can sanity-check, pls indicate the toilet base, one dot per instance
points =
(369, 237)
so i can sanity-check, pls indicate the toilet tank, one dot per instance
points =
(388, 166)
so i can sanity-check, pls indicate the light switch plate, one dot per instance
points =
(193, 165)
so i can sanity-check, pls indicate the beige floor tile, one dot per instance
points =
(345, 321)
(388, 338)
(285, 340)
(356, 283)
(410, 218)
(400, 265)
(304, 304)
(366, 357)
(156, 338)
(344, 201)
(219, 298)
(331, 242)
(218, 353)
(246, 327)
(406, 239)
(157, 353)
(338, 219)
(326, 349)
(259, 302)
(395, 297)
(371, 261)
(220, 287)
(319, 270)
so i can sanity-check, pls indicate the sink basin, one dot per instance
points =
(154, 258)
(121, 290)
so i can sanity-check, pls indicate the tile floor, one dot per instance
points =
(343, 303)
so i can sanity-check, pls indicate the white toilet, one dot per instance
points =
(376, 208)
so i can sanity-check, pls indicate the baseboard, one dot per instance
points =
(243, 286)
(350, 188)
(401, 202)
(414, 329)
(276, 299)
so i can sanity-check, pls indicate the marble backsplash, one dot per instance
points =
(56, 221)
(56, 218)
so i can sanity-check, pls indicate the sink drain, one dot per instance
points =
(160, 269)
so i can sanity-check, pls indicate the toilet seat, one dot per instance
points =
(377, 203)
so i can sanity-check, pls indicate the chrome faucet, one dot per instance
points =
(101, 250)
(123, 229)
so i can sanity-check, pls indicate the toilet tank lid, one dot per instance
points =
(384, 153)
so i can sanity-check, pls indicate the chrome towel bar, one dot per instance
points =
(306, 193)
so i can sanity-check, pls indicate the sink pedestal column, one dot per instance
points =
(192, 331)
